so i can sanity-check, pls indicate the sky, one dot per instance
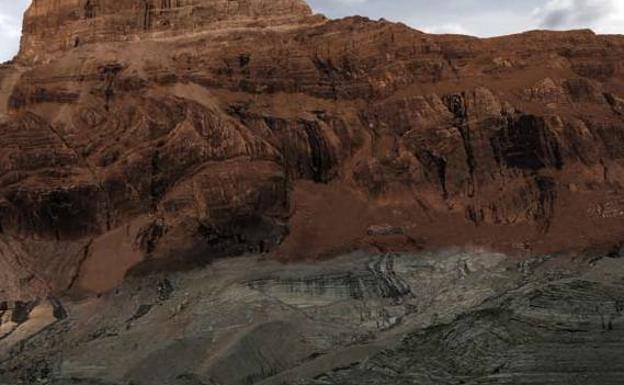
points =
(471, 17)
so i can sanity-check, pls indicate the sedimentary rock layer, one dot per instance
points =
(60, 25)
(425, 318)
(219, 128)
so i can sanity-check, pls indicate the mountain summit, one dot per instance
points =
(58, 25)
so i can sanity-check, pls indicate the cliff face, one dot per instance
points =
(59, 25)
(138, 136)
(467, 191)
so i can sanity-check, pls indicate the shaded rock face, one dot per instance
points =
(139, 136)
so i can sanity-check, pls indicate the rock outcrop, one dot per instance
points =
(53, 26)
(142, 136)
(450, 206)
(424, 318)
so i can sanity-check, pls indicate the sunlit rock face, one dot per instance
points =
(58, 25)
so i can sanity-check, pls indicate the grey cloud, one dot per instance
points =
(575, 13)
(10, 26)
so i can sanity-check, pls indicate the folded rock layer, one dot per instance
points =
(141, 136)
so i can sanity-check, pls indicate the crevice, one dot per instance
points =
(321, 156)
(390, 284)
(89, 10)
(85, 254)
(547, 198)
(435, 167)
(147, 15)
(470, 158)
(109, 74)
(440, 164)
(58, 310)
(141, 312)
(458, 107)
(156, 184)
(148, 237)
(605, 171)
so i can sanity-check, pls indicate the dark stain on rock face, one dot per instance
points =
(237, 235)
(21, 98)
(547, 188)
(61, 214)
(233, 235)
(108, 74)
(526, 143)
(148, 237)
(321, 154)
(89, 10)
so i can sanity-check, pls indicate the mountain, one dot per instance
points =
(279, 196)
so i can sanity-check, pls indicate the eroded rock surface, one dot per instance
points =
(426, 318)
(146, 144)
(56, 26)
(227, 127)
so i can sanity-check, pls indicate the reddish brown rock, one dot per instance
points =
(53, 26)
(145, 135)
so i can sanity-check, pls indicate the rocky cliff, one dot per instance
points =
(140, 136)
(450, 208)
(55, 26)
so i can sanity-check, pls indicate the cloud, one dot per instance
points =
(559, 14)
(11, 26)
(452, 28)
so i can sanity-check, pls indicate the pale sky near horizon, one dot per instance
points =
(472, 17)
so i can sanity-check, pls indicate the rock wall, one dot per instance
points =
(253, 127)
(450, 316)
(58, 25)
